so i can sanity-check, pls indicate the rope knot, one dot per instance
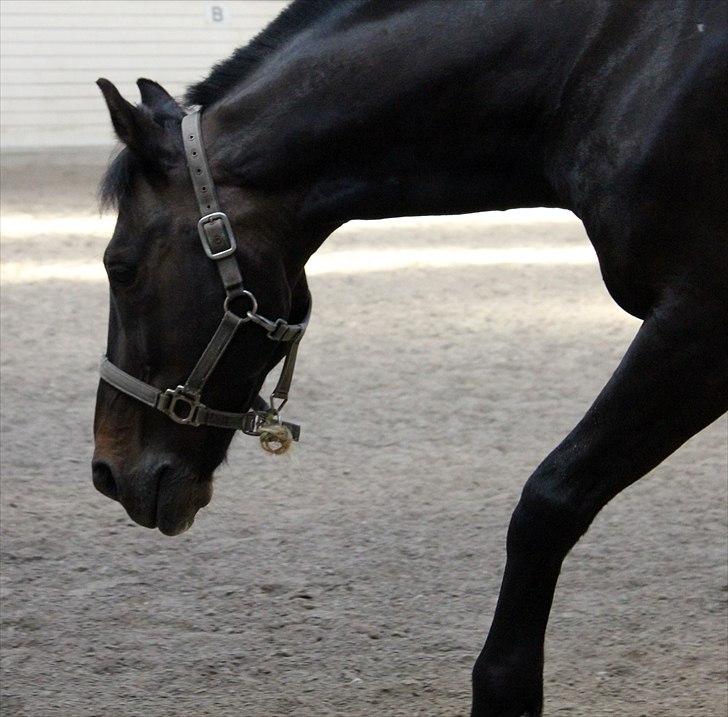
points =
(275, 438)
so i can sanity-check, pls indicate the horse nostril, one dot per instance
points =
(104, 481)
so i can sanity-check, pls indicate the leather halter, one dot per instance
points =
(182, 404)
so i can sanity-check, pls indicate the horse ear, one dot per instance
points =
(162, 104)
(133, 126)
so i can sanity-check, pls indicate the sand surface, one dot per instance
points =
(357, 576)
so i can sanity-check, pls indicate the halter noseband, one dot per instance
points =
(182, 404)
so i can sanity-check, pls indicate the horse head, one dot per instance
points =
(166, 300)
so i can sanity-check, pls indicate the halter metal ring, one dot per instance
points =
(236, 295)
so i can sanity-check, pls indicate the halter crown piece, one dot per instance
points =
(182, 404)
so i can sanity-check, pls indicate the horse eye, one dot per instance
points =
(121, 274)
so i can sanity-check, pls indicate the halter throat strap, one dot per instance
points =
(182, 404)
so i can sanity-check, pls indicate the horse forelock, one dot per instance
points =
(118, 179)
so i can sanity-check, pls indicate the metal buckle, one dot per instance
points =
(279, 331)
(177, 396)
(253, 422)
(215, 255)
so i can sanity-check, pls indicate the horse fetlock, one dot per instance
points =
(507, 688)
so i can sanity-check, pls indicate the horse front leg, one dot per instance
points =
(672, 382)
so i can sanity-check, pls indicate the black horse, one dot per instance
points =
(367, 109)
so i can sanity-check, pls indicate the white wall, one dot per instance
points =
(52, 51)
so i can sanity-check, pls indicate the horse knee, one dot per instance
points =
(549, 517)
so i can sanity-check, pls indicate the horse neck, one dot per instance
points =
(440, 111)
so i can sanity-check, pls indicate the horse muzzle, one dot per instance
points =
(160, 494)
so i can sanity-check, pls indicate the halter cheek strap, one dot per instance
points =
(182, 404)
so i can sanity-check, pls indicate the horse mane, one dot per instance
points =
(225, 75)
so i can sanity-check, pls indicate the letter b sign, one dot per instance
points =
(217, 14)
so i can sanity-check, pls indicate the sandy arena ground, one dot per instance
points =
(359, 575)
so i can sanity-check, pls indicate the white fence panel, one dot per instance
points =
(52, 52)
